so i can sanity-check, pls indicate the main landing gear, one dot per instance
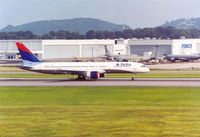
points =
(81, 77)
(133, 77)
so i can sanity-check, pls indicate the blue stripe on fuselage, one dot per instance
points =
(28, 56)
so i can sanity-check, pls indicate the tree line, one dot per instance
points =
(158, 33)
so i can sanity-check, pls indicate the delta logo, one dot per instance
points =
(123, 64)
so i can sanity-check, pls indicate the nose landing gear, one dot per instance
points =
(133, 77)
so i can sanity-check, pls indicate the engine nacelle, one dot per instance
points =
(93, 74)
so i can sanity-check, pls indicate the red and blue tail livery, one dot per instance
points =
(26, 54)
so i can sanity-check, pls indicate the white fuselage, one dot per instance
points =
(76, 67)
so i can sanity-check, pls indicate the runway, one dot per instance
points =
(143, 82)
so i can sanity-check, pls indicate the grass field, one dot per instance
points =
(10, 69)
(99, 112)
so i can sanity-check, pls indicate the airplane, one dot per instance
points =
(84, 70)
(112, 57)
(182, 58)
(153, 56)
(126, 58)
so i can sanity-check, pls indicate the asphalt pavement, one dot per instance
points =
(143, 82)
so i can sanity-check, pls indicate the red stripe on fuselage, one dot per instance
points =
(22, 47)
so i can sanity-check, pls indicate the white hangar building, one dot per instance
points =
(48, 49)
(170, 46)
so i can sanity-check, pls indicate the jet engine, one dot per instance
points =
(95, 74)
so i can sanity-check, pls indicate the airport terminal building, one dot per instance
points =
(51, 49)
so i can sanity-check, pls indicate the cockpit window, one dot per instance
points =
(143, 66)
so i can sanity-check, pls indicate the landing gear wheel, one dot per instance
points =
(133, 77)
(81, 77)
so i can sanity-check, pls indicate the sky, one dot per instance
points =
(135, 13)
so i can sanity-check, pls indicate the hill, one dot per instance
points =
(193, 23)
(81, 25)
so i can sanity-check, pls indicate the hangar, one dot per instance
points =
(8, 48)
(145, 47)
(75, 48)
(142, 47)
(50, 49)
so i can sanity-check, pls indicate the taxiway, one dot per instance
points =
(143, 82)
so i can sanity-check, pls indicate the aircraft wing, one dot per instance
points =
(78, 72)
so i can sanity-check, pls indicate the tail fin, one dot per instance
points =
(154, 52)
(26, 54)
(107, 52)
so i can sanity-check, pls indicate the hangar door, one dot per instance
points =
(141, 49)
(61, 51)
(95, 50)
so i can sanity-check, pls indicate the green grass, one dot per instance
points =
(99, 112)
(11, 69)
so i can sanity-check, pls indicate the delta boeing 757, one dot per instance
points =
(84, 70)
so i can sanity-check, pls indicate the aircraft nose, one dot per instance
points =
(145, 69)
